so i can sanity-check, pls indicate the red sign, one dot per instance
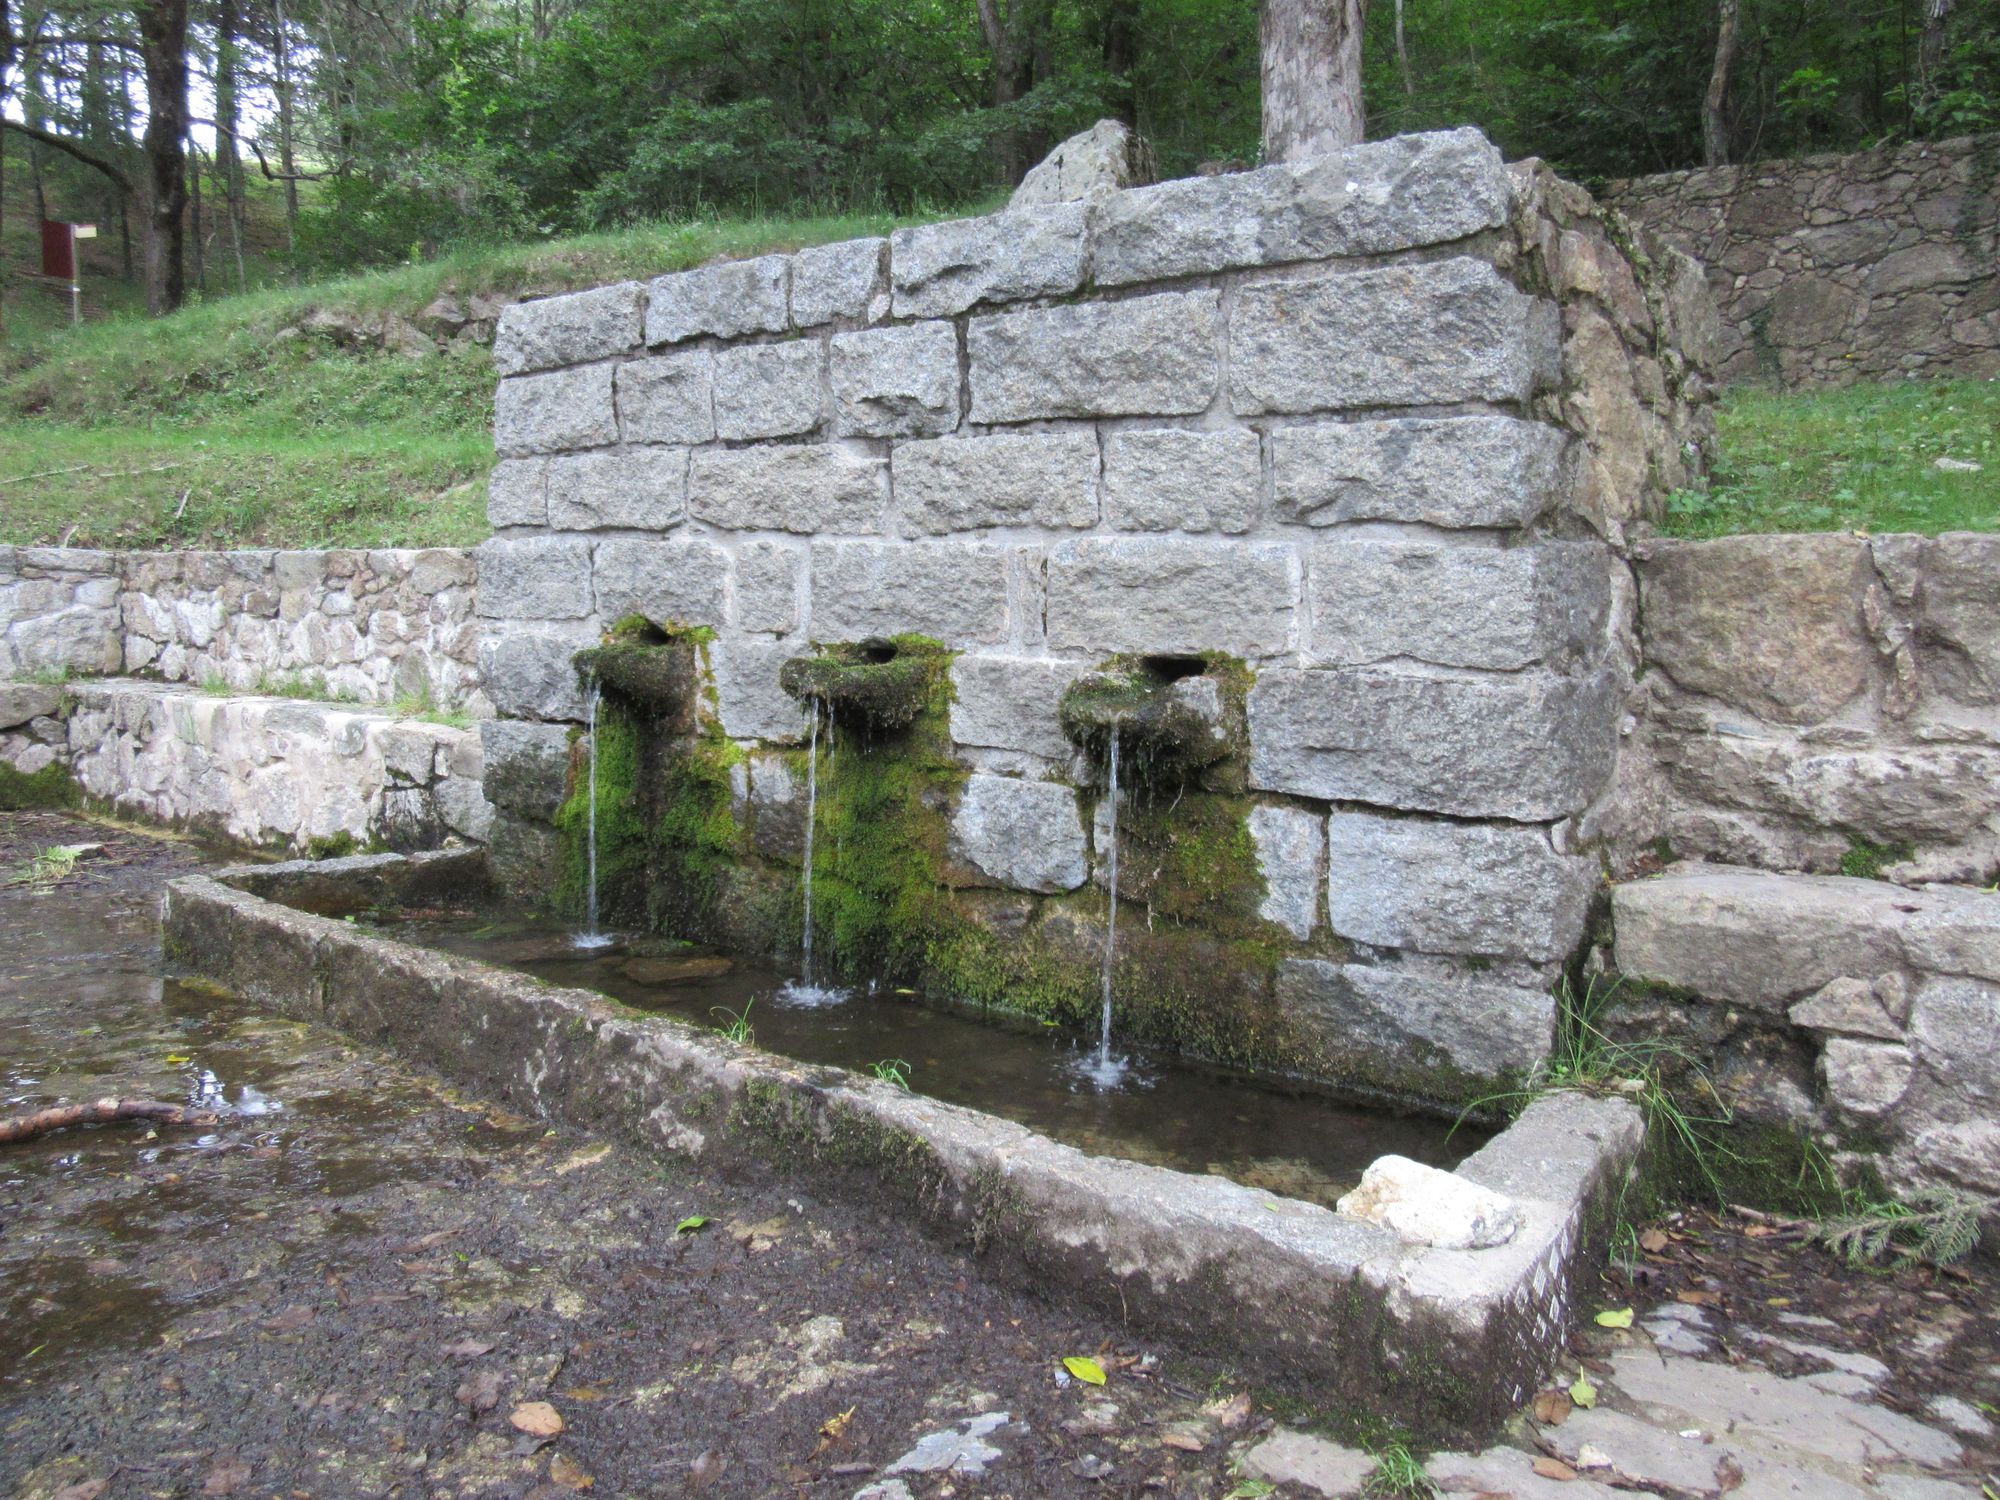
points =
(58, 250)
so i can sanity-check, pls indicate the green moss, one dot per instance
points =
(654, 670)
(1864, 860)
(332, 845)
(1164, 738)
(49, 787)
(874, 687)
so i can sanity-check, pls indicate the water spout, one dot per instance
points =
(591, 937)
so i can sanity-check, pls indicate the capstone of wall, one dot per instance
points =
(1831, 269)
(374, 626)
(1372, 429)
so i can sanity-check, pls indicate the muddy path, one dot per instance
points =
(351, 1283)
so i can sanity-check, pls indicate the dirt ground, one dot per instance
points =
(361, 1283)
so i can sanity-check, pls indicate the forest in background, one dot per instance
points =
(385, 131)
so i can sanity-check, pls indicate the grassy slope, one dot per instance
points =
(200, 430)
(1860, 459)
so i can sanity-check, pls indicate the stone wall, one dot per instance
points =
(1830, 269)
(1372, 427)
(269, 773)
(374, 626)
(1808, 695)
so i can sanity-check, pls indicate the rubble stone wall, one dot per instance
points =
(1373, 426)
(1808, 697)
(1831, 269)
(373, 626)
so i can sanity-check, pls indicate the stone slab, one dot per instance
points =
(1370, 199)
(1437, 471)
(1173, 479)
(1109, 594)
(1291, 855)
(1481, 1028)
(941, 269)
(1149, 356)
(538, 578)
(953, 592)
(1046, 480)
(1026, 835)
(569, 330)
(766, 586)
(770, 390)
(1401, 335)
(1498, 609)
(1455, 888)
(805, 489)
(679, 583)
(668, 398)
(738, 297)
(1010, 703)
(639, 489)
(1529, 746)
(846, 280)
(555, 412)
(895, 382)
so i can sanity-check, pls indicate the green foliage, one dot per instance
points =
(49, 866)
(1865, 860)
(735, 1025)
(1928, 1226)
(49, 787)
(1859, 459)
(1398, 1475)
(892, 1070)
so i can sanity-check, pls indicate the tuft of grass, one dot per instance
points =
(736, 1027)
(892, 1070)
(1398, 1475)
(1863, 458)
(49, 866)
(1865, 860)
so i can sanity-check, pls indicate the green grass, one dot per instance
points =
(209, 429)
(1859, 459)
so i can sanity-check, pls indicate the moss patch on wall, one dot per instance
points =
(49, 787)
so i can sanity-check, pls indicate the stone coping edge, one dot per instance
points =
(1448, 1342)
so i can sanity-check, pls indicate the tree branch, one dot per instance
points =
(69, 147)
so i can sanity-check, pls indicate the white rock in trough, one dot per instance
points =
(1429, 1207)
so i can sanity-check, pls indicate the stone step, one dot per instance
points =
(1886, 998)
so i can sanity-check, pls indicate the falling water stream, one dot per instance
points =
(1105, 1070)
(591, 936)
(806, 990)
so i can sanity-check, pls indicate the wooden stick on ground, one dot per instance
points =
(98, 1112)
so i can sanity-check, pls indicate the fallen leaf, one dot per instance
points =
(1728, 1474)
(291, 1320)
(1699, 1298)
(1231, 1414)
(467, 1348)
(1653, 1241)
(537, 1419)
(1089, 1371)
(227, 1477)
(833, 1429)
(707, 1467)
(1187, 1442)
(1777, 1301)
(589, 1158)
(178, 1059)
(1583, 1393)
(691, 1223)
(568, 1473)
(1759, 1231)
(1552, 1408)
(1554, 1468)
(481, 1392)
(1616, 1317)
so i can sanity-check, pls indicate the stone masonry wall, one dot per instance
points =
(1804, 693)
(1374, 425)
(1830, 269)
(375, 626)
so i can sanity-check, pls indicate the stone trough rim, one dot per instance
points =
(1292, 1287)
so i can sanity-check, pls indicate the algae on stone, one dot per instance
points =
(876, 686)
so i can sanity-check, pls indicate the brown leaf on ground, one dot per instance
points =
(481, 1392)
(1653, 1241)
(228, 1476)
(1728, 1475)
(1187, 1442)
(537, 1419)
(570, 1474)
(467, 1348)
(291, 1320)
(1699, 1298)
(1552, 1408)
(1554, 1468)
(1231, 1414)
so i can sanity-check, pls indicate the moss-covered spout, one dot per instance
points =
(1175, 715)
(653, 670)
(877, 686)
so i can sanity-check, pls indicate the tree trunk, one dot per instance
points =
(1312, 76)
(7, 54)
(195, 240)
(1120, 48)
(163, 42)
(1714, 125)
(281, 57)
(1403, 56)
(228, 158)
(1931, 46)
(34, 109)
(1015, 40)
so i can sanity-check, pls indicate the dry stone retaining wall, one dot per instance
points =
(374, 626)
(1830, 269)
(1374, 425)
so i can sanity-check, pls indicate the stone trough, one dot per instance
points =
(1445, 1340)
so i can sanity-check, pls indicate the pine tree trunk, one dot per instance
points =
(1312, 76)
(1714, 122)
(163, 42)
(228, 158)
(1931, 47)
(281, 54)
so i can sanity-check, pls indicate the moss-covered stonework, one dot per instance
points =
(653, 670)
(872, 687)
(49, 787)
(1176, 717)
